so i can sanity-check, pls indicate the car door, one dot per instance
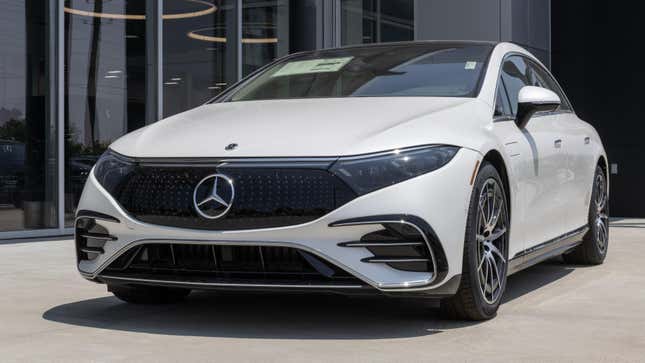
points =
(541, 163)
(576, 142)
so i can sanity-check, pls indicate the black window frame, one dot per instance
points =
(530, 62)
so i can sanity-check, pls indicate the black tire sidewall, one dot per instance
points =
(596, 254)
(486, 172)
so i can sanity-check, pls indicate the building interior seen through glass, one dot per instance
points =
(265, 32)
(128, 63)
(105, 83)
(199, 52)
(28, 164)
(376, 21)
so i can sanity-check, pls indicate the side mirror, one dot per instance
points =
(534, 99)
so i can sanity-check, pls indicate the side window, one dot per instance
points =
(515, 75)
(548, 82)
(502, 106)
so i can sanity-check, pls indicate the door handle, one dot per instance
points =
(587, 140)
(557, 143)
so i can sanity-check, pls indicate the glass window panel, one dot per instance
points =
(265, 32)
(199, 52)
(28, 165)
(376, 21)
(105, 83)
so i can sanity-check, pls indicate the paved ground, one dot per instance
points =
(552, 312)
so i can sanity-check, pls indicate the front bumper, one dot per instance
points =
(438, 199)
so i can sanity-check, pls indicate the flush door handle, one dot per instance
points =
(557, 143)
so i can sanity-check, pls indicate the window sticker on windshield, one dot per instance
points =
(470, 65)
(322, 65)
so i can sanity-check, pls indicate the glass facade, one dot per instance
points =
(28, 131)
(376, 21)
(199, 52)
(105, 83)
(265, 32)
(75, 75)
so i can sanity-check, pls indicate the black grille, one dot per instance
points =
(263, 197)
(217, 263)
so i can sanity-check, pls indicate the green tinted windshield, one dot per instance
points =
(430, 69)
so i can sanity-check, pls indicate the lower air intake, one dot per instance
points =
(201, 263)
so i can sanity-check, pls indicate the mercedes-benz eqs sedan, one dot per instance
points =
(425, 169)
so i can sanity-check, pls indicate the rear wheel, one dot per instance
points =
(593, 249)
(483, 278)
(141, 294)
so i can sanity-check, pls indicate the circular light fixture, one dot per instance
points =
(210, 8)
(198, 35)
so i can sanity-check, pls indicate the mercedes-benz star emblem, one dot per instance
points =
(213, 196)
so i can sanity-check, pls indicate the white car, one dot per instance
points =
(425, 169)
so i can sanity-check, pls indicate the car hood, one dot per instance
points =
(299, 128)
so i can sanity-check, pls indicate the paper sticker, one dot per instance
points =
(323, 65)
(470, 65)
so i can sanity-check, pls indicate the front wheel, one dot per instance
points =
(485, 258)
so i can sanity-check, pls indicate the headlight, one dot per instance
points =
(366, 174)
(111, 170)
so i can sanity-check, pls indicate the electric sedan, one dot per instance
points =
(426, 169)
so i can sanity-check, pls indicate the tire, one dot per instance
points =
(481, 262)
(593, 249)
(140, 294)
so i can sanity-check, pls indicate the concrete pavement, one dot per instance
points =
(552, 312)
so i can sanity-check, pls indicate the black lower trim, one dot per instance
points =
(546, 250)
(448, 289)
(240, 286)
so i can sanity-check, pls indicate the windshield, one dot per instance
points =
(432, 70)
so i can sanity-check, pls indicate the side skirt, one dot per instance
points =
(546, 250)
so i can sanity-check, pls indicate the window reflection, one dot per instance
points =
(199, 52)
(376, 21)
(105, 81)
(265, 32)
(28, 179)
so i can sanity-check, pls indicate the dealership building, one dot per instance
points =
(77, 74)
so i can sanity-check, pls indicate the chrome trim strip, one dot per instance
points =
(98, 236)
(95, 215)
(393, 260)
(98, 250)
(222, 284)
(379, 244)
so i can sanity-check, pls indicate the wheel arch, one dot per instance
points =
(604, 165)
(496, 159)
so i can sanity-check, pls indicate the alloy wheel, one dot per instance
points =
(601, 217)
(492, 241)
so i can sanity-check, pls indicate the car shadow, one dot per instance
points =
(279, 316)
